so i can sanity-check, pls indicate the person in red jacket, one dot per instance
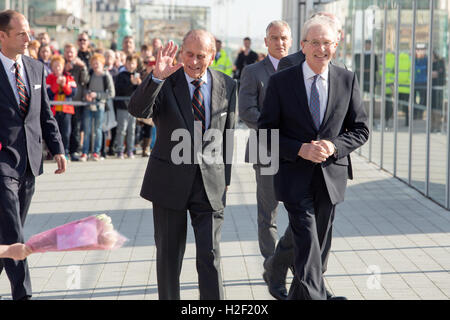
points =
(61, 86)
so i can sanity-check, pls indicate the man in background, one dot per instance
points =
(245, 57)
(221, 61)
(254, 80)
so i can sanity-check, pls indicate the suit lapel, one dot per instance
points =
(6, 87)
(300, 91)
(268, 66)
(332, 82)
(217, 88)
(181, 93)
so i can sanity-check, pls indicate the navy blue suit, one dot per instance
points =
(21, 160)
(308, 190)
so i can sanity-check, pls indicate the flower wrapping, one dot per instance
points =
(91, 233)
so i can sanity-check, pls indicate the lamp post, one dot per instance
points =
(124, 21)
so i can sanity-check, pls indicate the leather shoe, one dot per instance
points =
(278, 292)
(331, 296)
(275, 281)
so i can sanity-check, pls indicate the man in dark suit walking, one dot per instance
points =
(278, 264)
(187, 100)
(254, 80)
(25, 120)
(317, 110)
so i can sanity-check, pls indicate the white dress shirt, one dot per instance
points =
(322, 87)
(274, 61)
(8, 65)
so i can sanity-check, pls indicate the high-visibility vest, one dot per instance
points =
(390, 71)
(223, 64)
(404, 73)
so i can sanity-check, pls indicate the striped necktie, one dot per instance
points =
(198, 103)
(314, 103)
(24, 98)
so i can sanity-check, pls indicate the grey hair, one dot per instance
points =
(333, 18)
(279, 23)
(196, 33)
(322, 21)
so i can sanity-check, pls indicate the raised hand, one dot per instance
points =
(164, 61)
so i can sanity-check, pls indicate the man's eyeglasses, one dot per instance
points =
(82, 40)
(316, 43)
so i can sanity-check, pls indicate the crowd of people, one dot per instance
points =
(82, 82)
(97, 83)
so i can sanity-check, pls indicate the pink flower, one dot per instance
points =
(91, 233)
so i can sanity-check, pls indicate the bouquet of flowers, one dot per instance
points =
(91, 233)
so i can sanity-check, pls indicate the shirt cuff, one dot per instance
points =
(156, 79)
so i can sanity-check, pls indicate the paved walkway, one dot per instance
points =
(390, 242)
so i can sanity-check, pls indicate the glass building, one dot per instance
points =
(399, 50)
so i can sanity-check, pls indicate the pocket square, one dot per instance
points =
(223, 114)
(37, 86)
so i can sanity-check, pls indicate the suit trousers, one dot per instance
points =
(15, 200)
(170, 239)
(267, 212)
(310, 222)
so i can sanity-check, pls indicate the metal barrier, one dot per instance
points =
(84, 103)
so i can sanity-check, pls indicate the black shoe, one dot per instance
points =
(276, 282)
(278, 292)
(330, 296)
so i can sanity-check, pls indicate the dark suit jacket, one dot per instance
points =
(169, 104)
(21, 139)
(291, 60)
(345, 124)
(252, 91)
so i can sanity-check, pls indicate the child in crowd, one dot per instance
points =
(45, 56)
(126, 84)
(62, 87)
(99, 88)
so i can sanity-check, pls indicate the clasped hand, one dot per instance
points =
(317, 151)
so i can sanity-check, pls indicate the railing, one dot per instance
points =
(84, 103)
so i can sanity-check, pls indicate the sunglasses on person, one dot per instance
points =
(82, 40)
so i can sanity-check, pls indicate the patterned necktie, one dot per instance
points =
(24, 98)
(314, 103)
(198, 103)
